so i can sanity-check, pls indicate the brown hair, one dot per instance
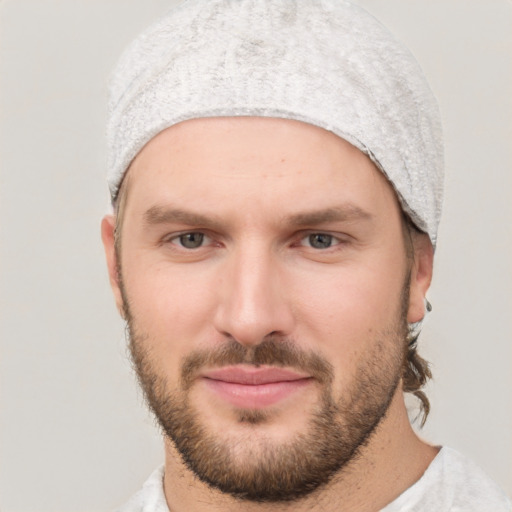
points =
(119, 203)
(416, 370)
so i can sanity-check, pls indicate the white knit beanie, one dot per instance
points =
(324, 62)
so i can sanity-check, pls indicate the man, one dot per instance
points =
(276, 175)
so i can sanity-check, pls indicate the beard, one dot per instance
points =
(258, 468)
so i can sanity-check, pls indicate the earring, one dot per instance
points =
(428, 306)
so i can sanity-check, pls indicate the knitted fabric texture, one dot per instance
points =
(324, 62)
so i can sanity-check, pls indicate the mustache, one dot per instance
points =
(272, 351)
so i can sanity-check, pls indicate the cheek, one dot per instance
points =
(169, 305)
(351, 296)
(345, 312)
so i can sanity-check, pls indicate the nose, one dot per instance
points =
(252, 298)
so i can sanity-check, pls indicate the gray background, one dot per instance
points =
(74, 433)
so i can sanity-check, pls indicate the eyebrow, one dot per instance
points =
(345, 213)
(162, 215)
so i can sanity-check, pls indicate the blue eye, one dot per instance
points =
(320, 240)
(191, 240)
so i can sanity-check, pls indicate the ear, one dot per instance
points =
(108, 225)
(421, 276)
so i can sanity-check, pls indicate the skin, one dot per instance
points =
(257, 188)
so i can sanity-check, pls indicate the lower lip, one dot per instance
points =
(257, 396)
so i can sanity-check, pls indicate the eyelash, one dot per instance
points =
(178, 239)
(332, 240)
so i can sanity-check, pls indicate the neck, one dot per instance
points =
(393, 459)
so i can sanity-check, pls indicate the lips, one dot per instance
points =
(254, 388)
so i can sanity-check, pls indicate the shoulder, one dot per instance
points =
(471, 486)
(150, 498)
(452, 483)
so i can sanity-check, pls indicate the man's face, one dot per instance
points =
(267, 289)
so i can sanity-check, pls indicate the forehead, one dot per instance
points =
(268, 162)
